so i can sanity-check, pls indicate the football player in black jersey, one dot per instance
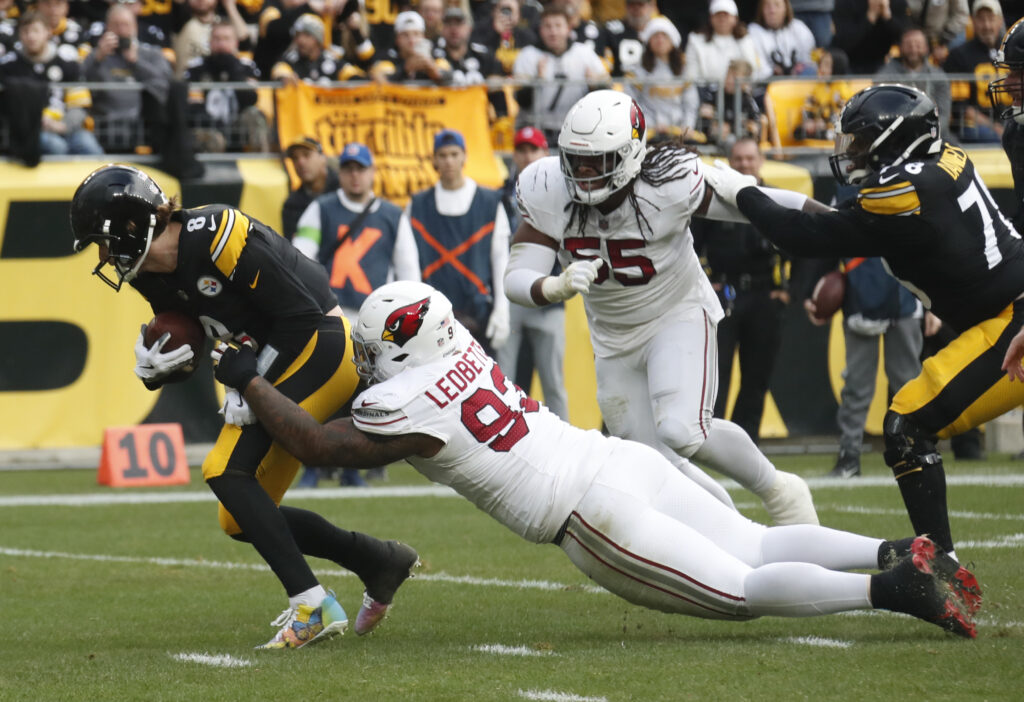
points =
(925, 210)
(1008, 92)
(245, 283)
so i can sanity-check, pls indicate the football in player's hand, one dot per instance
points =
(828, 295)
(183, 330)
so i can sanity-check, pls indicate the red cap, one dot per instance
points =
(529, 135)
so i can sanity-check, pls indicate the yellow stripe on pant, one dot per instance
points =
(321, 380)
(963, 386)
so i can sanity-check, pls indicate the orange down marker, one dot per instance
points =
(143, 455)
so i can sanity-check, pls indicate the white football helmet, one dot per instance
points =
(605, 132)
(401, 325)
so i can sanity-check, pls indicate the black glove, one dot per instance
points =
(237, 367)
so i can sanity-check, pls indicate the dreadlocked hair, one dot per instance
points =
(662, 164)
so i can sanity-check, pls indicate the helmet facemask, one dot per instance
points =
(594, 189)
(123, 254)
(1007, 93)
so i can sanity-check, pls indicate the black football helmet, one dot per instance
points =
(1007, 93)
(116, 205)
(883, 125)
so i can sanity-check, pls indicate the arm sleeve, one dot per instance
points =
(499, 256)
(405, 259)
(307, 233)
(838, 233)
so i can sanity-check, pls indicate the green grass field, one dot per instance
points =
(149, 601)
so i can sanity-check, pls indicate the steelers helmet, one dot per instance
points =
(1007, 93)
(116, 205)
(883, 125)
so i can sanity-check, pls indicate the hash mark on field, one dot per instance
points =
(817, 641)
(503, 650)
(220, 661)
(554, 696)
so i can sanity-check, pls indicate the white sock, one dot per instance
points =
(829, 548)
(804, 590)
(730, 450)
(311, 597)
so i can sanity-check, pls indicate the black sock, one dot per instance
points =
(924, 494)
(265, 528)
(360, 553)
(892, 590)
(890, 552)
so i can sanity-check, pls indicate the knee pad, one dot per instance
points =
(907, 447)
(682, 437)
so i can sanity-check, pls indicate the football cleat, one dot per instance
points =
(380, 590)
(922, 585)
(305, 624)
(788, 501)
(929, 558)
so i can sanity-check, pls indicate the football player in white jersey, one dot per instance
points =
(621, 512)
(617, 215)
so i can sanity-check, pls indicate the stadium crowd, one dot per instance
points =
(703, 70)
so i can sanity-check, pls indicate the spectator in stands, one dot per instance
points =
(817, 15)
(119, 57)
(710, 51)
(356, 237)
(783, 42)
(309, 60)
(670, 108)
(411, 58)
(38, 58)
(624, 35)
(541, 328)
(553, 63)
(585, 31)
(867, 29)
(315, 178)
(943, 23)
(828, 97)
(972, 109)
(462, 238)
(468, 65)
(193, 39)
(225, 119)
(432, 12)
(352, 33)
(913, 68)
(502, 35)
(719, 125)
(275, 35)
(751, 279)
(9, 12)
(153, 28)
(65, 31)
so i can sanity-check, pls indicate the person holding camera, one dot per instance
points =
(119, 57)
(504, 36)
(411, 58)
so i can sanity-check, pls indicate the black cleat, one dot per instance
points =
(381, 588)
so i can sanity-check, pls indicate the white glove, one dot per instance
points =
(727, 182)
(498, 325)
(152, 364)
(576, 278)
(236, 410)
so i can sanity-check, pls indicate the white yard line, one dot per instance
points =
(221, 660)
(555, 696)
(145, 496)
(502, 650)
(816, 641)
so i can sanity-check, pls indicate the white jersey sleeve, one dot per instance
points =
(503, 451)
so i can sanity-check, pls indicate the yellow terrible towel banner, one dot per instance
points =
(398, 125)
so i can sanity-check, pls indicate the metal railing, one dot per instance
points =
(135, 137)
